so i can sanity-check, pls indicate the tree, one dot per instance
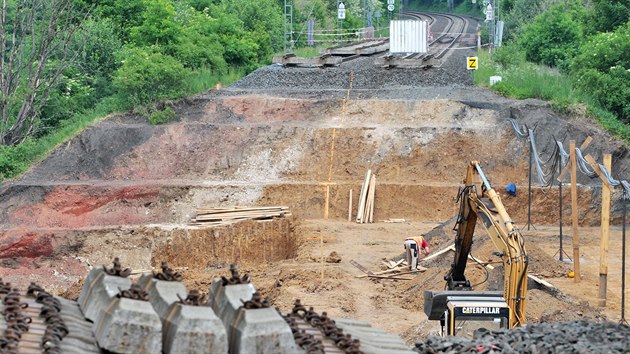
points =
(554, 36)
(35, 48)
(158, 26)
(147, 75)
(518, 13)
(608, 15)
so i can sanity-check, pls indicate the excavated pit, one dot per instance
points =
(122, 174)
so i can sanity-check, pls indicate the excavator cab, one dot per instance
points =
(461, 313)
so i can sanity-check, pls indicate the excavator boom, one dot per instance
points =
(487, 209)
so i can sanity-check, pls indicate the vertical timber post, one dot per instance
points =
(350, 207)
(605, 231)
(574, 214)
(327, 201)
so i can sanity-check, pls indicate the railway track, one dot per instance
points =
(451, 28)
(334, 56)
(454, 26)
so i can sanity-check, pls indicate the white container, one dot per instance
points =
(494, 80)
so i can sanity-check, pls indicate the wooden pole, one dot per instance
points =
(327, 202)
(350, 207)
(362, 196)
(574, 213)
(605, 230)
(372, 193)
(604, 226)
(321, 253)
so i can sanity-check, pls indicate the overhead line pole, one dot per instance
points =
(604, 226)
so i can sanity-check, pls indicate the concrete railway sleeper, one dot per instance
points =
(152, 316)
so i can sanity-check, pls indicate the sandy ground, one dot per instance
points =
(396, 305)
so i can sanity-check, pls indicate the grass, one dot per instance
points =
(526, 80)
(521, 80)
(15, 160)
(204, 79)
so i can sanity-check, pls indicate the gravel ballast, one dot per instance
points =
(543, 338)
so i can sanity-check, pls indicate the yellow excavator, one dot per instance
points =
(460, 309)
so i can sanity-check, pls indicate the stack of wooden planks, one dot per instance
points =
(365, 212)
(216, 216)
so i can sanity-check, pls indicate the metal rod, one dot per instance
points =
(623, 262)
(285, 26)
(529, 188)
(560, 189)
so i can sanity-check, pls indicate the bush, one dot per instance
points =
(611, 89)
(603, 51)
(162, 117)
(601, 69)
(508, 56)
(554, 36)
(147, 76)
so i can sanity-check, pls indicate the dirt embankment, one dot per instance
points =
(121, 187)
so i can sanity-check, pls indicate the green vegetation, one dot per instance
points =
(95, 57)
(460, 7)
(522, 79)
(569, 54)
(114, 55)
(164, 116)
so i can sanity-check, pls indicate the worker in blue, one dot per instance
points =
(511, 189)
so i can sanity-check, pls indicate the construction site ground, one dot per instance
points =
(396, 305)
(125, 188)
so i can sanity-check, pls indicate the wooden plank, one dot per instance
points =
(574, 213)
(366, 210)
(605, 231)
(477, 260)
(386, 277)
(361, 268)
(240, 214)
(372, 195)
(394, 220)
(253, 212)
(225, 217)
(320, 238)
(236, 208)
(430, 257)
(361, 204)
(390, 271)
(350, 207)
(541, 281)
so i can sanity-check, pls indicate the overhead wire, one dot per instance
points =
(545, 170)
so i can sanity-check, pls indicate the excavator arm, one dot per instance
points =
(507, 239)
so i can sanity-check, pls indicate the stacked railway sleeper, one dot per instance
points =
(335, 56)
(157, 314)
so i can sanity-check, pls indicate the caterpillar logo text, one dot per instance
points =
(481, 310)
